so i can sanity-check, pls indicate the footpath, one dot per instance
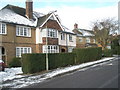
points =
(26, 80)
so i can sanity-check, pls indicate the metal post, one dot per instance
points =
(46, 47)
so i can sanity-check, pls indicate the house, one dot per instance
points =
(23, 30)
(85, 38)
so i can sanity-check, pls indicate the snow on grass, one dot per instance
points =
(23, 81)
(10, 73)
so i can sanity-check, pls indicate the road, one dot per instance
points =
(104, 75)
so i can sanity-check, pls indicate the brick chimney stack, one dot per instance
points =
(29, 9)
(75, 26)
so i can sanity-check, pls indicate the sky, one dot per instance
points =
(82, 12)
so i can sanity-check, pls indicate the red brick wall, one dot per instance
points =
(51, 41)
(53, 24)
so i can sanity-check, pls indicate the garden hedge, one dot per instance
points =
(16, 62)
(32, 63)
(87, 54)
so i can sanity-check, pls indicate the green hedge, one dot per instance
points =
(32, 63)
(16, 62)
(87, 54)
(116, 50)
(107, 53)
(61, 60)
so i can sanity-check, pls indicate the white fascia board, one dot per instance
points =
(55, 19)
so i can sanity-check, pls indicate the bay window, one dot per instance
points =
(50, 49)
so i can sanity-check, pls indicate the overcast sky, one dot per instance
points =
(82, 12)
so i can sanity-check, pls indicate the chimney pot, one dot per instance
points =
(75, 26)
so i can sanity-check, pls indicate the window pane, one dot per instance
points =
(17, 31)
(21, 50)
(25, 50)
(0, 29)
(21, 31)
(25, 31)
(17, 52)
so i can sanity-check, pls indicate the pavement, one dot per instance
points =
(32, 81)
(100, 75)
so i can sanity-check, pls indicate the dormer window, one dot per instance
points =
(3, 28)
(23, 31)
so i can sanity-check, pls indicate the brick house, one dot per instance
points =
(85, 38)
(23, 30)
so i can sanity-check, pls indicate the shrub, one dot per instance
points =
(87, 54)
(16, 62)
(116, 50)
(32, 63)
(61, 60)
(115, 46)
(107, 53)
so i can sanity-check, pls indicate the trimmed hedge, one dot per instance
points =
(87, 54)
(107, 53)
(115, 46)
(32, 63)
(16, 62)
(116, 50)
(61, 60)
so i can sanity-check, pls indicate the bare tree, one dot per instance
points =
(103, 31)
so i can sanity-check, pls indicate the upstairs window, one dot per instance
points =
(52, 33)
(3, 28)
(87, 40)
(23, 31)
(80, 39)
(62, 36)
(70, 37)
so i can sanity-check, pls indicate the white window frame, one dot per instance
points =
(22, 50)
(87, 40)
(94, 40)
(51, 49)
(80, 39)
(62, 36)
(52, 33)
(23, 31)
(3, 28)
(70, 37)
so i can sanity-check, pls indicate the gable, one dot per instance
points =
(52, 24)
(51, 21)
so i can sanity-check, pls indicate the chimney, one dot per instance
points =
(75, 26)
(29, 9)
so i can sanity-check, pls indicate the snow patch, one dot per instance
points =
(23, 81)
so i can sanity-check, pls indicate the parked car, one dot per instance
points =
(2, 65)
